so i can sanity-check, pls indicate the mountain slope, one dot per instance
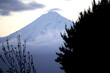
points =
(43, 40)
(44, 23)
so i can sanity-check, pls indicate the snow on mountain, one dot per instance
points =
(47, 22)
(43, 40)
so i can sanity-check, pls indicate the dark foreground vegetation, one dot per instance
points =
(16, 58)
(86, 46)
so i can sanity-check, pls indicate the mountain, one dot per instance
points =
(43, 40)
(46, 22)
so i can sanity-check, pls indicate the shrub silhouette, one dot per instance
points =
(85, 43)
(1, 71)
(16, 58)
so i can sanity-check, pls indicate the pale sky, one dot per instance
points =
(15, 14)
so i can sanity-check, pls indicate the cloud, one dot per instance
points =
(7, 6)
(67, 0)
(47, 38)
(54, 9)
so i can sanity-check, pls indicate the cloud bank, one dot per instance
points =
(7, 6)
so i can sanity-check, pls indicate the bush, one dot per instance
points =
(16, 58)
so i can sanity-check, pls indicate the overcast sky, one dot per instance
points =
(15, 14)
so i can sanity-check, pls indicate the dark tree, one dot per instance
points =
(17, 59)
(86, 46)
(1, 71)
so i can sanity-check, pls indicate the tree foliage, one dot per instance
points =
(16, 58)
(1, 71)
(85, 43)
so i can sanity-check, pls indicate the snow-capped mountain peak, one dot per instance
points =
(43, 39)
(47, 22)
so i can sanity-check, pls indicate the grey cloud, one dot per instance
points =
(4, 12)
(6, 6)
(54, 9)
(67, 0)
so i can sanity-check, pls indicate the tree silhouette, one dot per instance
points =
(1, 71)
(16, 58)
(85, 43)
